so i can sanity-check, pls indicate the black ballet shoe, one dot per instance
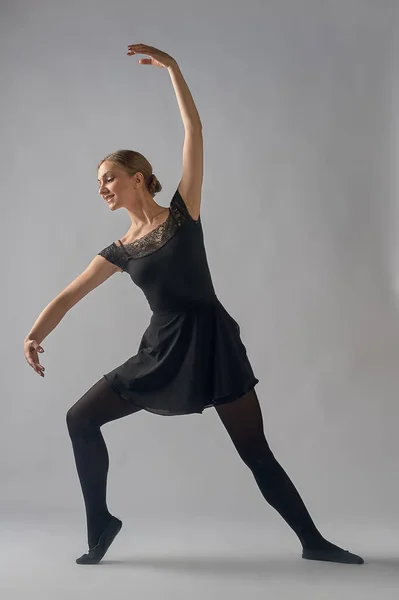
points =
(96, 553)
(339, 556)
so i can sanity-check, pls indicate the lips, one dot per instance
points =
(108, 198)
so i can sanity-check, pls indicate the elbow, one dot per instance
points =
(194, 127)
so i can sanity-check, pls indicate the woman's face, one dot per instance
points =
(116, 186)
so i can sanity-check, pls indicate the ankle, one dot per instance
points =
(312, 540)
(96, 528)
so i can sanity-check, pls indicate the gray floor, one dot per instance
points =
(194, 560)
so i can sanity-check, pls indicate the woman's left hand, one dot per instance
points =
(157, 57)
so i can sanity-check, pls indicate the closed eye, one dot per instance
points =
(107, 181)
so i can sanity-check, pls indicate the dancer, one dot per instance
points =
(190, 357)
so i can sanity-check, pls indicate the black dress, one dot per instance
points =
(190, 356)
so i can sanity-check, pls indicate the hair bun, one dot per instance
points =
(154, 184)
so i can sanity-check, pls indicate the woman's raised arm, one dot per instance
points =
(192, 172)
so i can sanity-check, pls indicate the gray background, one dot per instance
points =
(298, 101)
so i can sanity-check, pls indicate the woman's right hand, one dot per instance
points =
(31, 349)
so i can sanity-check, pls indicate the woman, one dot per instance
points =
(190, 357)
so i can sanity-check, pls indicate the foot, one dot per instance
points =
(331, 553)
(96, 553)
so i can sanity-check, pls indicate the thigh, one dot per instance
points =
(101, 404)
(243, 421)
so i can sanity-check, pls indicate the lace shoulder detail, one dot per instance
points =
(152, 241)
(119, 254)
(114, 254)
(180, 211)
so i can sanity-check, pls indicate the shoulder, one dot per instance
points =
(114, 254)
(183, 208)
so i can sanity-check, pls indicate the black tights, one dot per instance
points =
(243, 422)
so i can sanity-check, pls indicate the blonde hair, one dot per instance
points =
(133, 162)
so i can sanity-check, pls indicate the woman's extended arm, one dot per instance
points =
(98, 271)
(190, 185)
(192, 173)
(48, 319)
(188, 110)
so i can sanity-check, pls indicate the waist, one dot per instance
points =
(187, 305)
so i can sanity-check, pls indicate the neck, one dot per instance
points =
(145, 212)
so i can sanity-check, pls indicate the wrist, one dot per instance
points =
(173, 67)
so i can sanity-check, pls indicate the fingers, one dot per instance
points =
(140, 49)
(137, 48)
(37, 367)
(35, 347)
(31, 350)
(34, 363)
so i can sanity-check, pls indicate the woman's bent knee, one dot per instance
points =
(73, 419)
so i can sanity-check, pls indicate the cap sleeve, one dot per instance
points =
(180, 211)
(115, 255)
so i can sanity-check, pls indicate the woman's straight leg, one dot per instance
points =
(99, 405)
(244, 424)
